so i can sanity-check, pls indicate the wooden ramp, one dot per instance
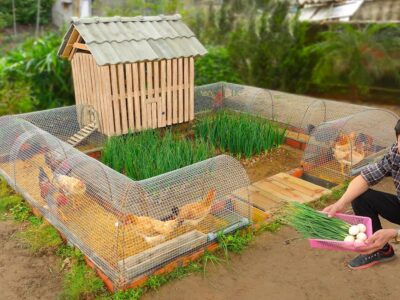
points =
(82, 134)
(269, 194)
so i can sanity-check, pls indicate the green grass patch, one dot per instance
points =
(238, 133)
(150, 153)
(9, 202)
(5, 189)
(81, 282)
(40, 237)
(235, 242)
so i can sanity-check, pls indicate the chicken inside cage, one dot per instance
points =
(126, 228)
(339, 149)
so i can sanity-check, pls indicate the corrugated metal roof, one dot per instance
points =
(344, 10)
(125, 40)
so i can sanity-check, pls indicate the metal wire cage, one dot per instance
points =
(78, 125)
(126, 228)
(339, 149)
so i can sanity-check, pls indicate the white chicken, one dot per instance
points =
(70, 186)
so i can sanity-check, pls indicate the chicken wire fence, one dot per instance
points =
(300, 113)
(77, 125)
(339, 149)
(126, 228)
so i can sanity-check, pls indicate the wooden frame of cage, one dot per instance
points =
(135, 96)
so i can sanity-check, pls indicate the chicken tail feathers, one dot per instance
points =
(207, 201)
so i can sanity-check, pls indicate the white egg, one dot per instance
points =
(362, 227)
(116, 224)
(361, 236)
(349, 238)
(354, 230)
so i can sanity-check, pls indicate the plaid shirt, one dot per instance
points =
(389, 165)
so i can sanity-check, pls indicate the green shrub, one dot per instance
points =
(35, 66)
(25, 11)
(215, 66)
(8, 202)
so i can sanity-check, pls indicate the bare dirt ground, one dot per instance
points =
(23, 275)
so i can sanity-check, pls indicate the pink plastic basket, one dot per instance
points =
(341, 245)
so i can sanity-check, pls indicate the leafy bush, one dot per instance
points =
(239, 134)
(35, 76)
(147, 154)
(25, 11)
(215, 66)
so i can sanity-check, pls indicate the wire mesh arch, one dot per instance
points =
(64, 122)
(339, 149)
(126, 228)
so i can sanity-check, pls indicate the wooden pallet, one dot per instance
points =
(271, 193)
(82, 134)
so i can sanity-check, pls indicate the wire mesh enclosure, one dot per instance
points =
(77, 125)
(126, 228)
(300, 113)
(340, 148)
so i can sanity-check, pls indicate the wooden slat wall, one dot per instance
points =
(136, 96)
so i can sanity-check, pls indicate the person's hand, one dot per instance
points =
(334, 208)
(377, 241)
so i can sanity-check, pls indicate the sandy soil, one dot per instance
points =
(23, 275)
(279, 160)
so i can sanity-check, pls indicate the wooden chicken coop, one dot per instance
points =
(137, 72)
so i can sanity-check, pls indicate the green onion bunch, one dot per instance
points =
(149, 153)
(239, 133)
(313, 224)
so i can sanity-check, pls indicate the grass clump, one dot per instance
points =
(9, 202)
(147, 154)
(239, 134)
(40, 237)
(80, 281)
(235, 242)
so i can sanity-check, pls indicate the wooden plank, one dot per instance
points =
(258, 198)
(157, 98)
(72, 38)
(129, 96)
(80, 46)
(186, 88)
(191, 88)
(122, 98)
(108, 103)
(76, 78)
(180, 90)
(303, 198)
(136, 96)
(166, 251)
(115, 97)
(151, 111)
(244, 209)
(303, 183)
(276, 190)
(174, 91)
(296, 184)
(169, 92)
(145, 122)
(163, 107)
(81, 76)
(103, 102)
(96, 101)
